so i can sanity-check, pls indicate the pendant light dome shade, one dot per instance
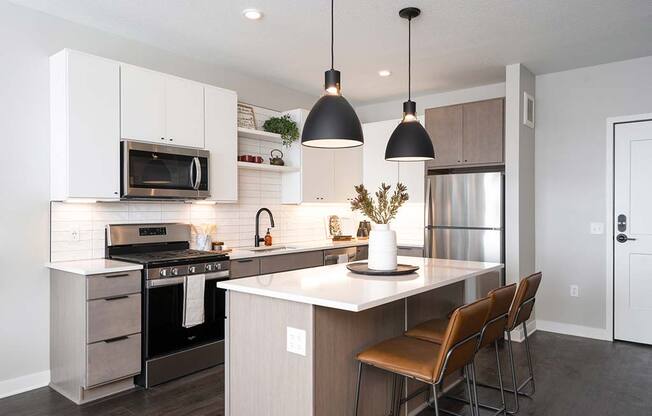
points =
(409, 142)
(332, 123)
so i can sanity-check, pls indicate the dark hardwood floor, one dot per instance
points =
(574, 376)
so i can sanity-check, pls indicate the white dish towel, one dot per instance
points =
(193, 300)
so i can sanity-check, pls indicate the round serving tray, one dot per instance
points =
(363, 268)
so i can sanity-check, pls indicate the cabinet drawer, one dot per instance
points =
(112, 284)
(112, 360)
(410, 251)
(112, 317)
(244, 268)
(285, 262)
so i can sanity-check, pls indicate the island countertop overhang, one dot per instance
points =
(334, 286)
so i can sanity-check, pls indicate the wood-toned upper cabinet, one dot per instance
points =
(444, 125)
(469, 134)
(184, 112)
(142, 104)
(482, 140)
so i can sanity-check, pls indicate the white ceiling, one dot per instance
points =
(456, 43)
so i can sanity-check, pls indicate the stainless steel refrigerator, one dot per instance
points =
(465, 221)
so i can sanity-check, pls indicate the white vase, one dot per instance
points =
(382, 248)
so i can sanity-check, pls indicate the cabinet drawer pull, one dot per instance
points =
(116, 339)
(111, 276)
(245, 261)
(116, 298)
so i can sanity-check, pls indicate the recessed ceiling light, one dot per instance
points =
(252, 14)
(384, 72)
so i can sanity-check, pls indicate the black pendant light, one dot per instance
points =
(332, 122)
(409, 142)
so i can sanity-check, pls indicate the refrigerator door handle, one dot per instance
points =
(429, 219)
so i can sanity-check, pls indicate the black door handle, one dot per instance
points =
(622, 238)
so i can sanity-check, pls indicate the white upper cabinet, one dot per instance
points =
(142, 104)
(161, 108)
(222, 142)
(377, 170)
(184, 110)
(326, 175)
(347, 173)
(85, 127)
(317, 175)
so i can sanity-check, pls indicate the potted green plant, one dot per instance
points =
(284, 126)
(382, 240)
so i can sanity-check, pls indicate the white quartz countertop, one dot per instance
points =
(336, 287)
(94, 266)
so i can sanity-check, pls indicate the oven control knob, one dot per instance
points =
(174, 271)
(209, 267)
(163, 272)
(219, 266)
(192, 269)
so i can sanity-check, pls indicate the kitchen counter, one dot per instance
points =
(306, 326)
(93, 266)
(336, 287)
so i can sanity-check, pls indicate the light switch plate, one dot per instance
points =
(575, 291)
(74, 233)
(597, 228)
(296, 341)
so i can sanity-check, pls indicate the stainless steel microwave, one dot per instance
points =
(163, 172)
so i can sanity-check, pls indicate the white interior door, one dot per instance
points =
(633, 231)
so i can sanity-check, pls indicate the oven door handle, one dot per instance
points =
(195, 161)
(179, 280)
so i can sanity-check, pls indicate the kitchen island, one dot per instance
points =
(291, 337)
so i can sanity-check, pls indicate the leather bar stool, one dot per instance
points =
(519, 313)
(426, 361)
(492, 332)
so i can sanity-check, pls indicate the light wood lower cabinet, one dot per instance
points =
(95, 333)
(286, 262)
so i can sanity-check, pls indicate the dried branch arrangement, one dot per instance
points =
(386, 207)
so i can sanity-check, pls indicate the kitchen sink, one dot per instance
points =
(269, 248)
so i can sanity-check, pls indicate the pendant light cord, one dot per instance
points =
(332, 35)
(409, 59)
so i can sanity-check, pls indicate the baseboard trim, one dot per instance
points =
(24, 383)
(517, 334)
(575, 330)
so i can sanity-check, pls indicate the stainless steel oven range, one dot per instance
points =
(171, 350)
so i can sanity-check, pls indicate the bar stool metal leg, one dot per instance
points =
(513, 370)
(475, 389)
(500, 379)
(469, 392)
(395, 398)
(357, 389)
(529, 361)
(434, 401)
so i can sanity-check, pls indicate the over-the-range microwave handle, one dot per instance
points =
(197, 182)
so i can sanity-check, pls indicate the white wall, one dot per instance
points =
(571, 112)
(393, 109)
(27, 39)
(519, 176)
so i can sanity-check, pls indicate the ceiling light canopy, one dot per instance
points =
(409, 142)
(252, 14)
(332, 122)
(384, 72)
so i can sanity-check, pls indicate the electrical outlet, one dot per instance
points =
(296, 341)
(575, 291)
(597, 228)
(74, 233)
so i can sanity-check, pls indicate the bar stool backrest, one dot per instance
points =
(461, 337)
(501, 300)
(524, 300)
